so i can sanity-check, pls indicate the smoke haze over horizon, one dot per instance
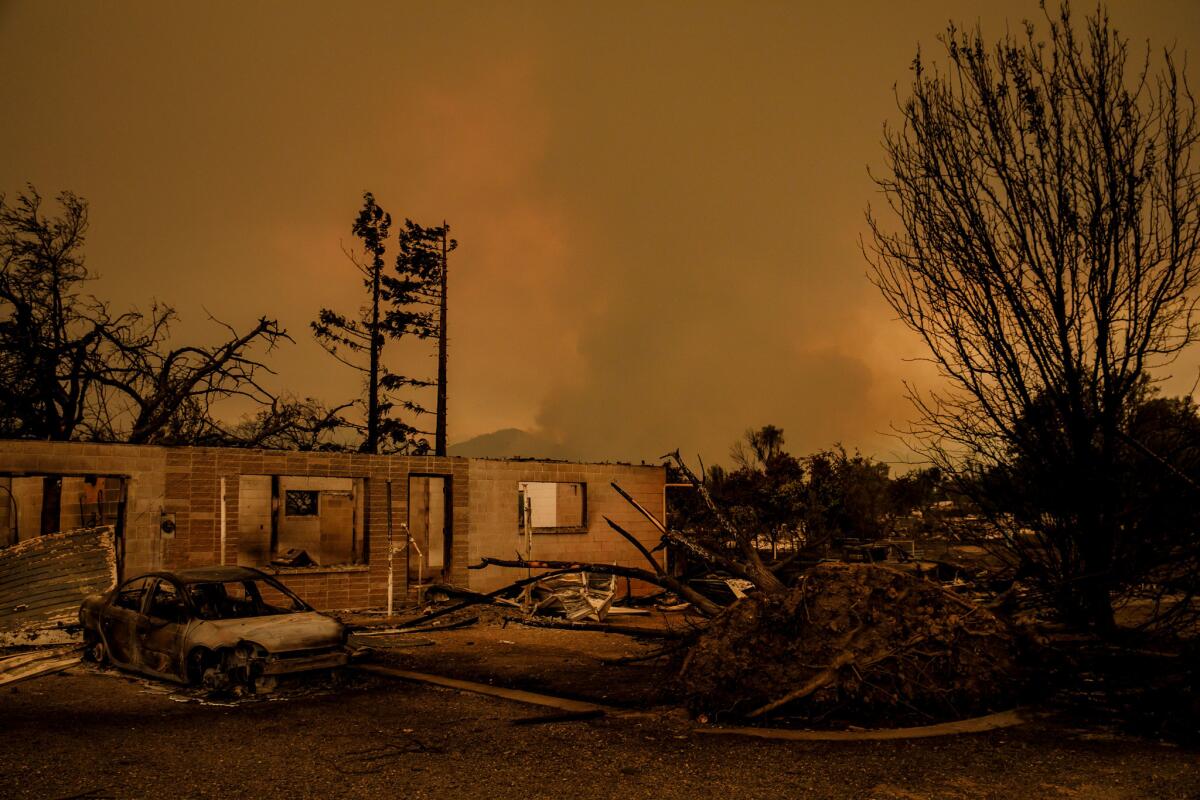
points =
(658, 205)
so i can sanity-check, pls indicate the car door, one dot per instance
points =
(161, 628)
(118, 622)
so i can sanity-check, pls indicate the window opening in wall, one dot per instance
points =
(552, 507)
(301, 503)
(428, 528)
(42, 504)
(296, 521)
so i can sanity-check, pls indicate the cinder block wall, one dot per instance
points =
(483, 515)
(194, 494)
(144, 469)
(187, 481)
(495, 523)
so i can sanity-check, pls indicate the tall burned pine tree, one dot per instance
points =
(400, 303)
(417, 300)
(343, 335)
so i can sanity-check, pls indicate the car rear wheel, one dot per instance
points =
(94, 650)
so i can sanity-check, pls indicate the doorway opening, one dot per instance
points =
(429, 531)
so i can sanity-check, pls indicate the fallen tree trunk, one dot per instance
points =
(682, 542)
(752, 569)
(698, 601)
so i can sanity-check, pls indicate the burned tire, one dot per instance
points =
(95, 651)
(199, 662)
(222, 670)
(214, 680)
(214, 671)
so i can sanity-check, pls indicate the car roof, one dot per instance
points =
(214, 574)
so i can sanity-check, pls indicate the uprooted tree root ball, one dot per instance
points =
(857, 641)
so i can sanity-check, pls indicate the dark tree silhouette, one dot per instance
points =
(415, 295)
(800, 503)
(151, 393)
(758, 447)
(399, 303)
(49, 335)
(72, 369)
(347, 338)
(1044, 241)
(846, 496)
(293, 424)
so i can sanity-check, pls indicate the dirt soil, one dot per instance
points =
(99, 733)
(88, 733)
(566, 663)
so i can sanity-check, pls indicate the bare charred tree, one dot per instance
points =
(1043, 239)
(292, 424)
(71, 369)
(49, 335)
(747, 563)
(151, 393)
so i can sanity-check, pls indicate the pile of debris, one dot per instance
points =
(859, 641)
(856, 642)
(575, 595)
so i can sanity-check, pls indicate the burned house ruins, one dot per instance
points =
(326, 522)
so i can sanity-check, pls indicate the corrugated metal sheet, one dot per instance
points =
(43, 580)
(23, 666)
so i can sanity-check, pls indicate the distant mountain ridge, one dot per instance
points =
(510, 443)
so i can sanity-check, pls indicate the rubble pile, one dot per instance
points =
(857, 641)
(575, 595)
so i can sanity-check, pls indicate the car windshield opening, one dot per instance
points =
(242, 598)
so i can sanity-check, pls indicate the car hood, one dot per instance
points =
(278, 633)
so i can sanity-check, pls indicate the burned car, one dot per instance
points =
(221, 627)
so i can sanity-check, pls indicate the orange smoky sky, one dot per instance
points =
(658, 204)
